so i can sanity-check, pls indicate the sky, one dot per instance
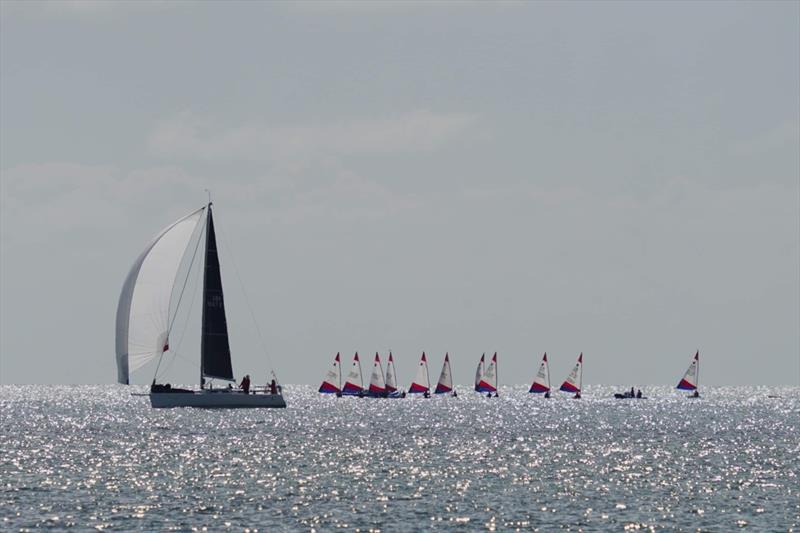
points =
(618, 179)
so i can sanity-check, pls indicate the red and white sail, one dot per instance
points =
(354, 384)
(479, 373)
(541, 383)
(391, 376)
(445, 383)
(377, 385)
(488, 382)
(573, 381)
(333, 379)
(691, 377)
(422, 382)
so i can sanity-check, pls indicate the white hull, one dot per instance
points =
(219, 399)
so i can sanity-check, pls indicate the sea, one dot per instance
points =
(99, 458)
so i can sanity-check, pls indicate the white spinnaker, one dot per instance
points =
(479, 372)
(490, 376)
(446, 377)
(144, 304)
(391, 376)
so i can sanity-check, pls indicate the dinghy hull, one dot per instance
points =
(216, 400)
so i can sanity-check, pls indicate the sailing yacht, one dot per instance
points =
(541, 383)
(144, 321)
(691, 378)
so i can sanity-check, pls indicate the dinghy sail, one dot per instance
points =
(421, 383)
(377, 385)
(445, 383)
(575, 379)
(488, 382)
(391, 376)
(692, 376)
(332, 384)
(541, 383)
(479, 373)
(144, 320)
(354, 384)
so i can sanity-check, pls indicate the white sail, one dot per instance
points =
(354, 383)
(422, 382)
(377, 385)
(488, 382)
(391, 375)
(541, 383)
(479, 373)
(573, 381)
(690, 378)
(143, 311)
(333, 379)
(445, 383)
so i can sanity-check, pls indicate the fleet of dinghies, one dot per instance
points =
(384, 385)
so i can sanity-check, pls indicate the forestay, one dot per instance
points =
(143, 311)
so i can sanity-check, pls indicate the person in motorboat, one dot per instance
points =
(632, 393)
(273, 387)
(639, 394)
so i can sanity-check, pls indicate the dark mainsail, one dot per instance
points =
(215, 352)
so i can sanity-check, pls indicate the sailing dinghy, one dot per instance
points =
(421, 383)
(488, 381)
(391, 380)
(377, 384)
(691, 378)
(354, 384)
(144, 321)
(541, 383)
(575, 379)
(332, 384)
(445, 384)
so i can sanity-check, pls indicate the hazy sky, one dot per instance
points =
(621, 179)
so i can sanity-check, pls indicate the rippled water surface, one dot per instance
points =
(97, 457)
